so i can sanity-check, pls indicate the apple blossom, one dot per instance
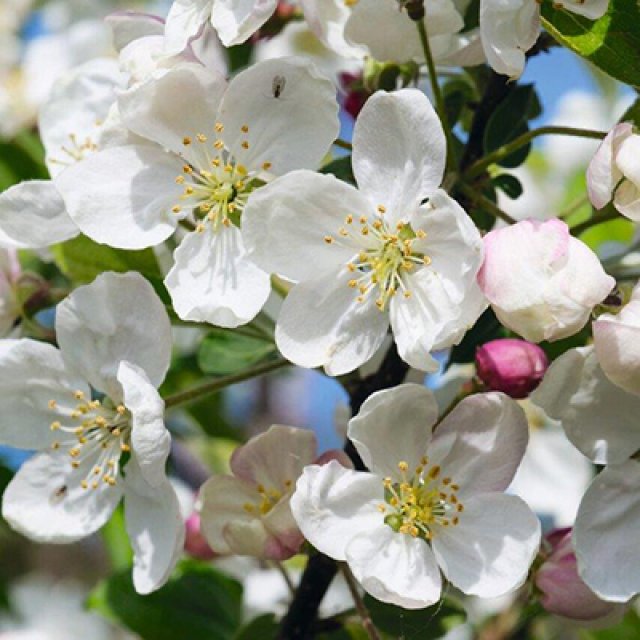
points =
(92, 409)
(432, 501)
(614, 172)
(9, 273)
(541, 282)
(380, 254)
(203, 151)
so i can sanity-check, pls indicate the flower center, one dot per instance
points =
(94, 435)
(421, 502)
(266, 499)
(75, 151)
(387, 255)
(216, 186)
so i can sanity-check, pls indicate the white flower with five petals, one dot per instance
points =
(364, 258)
(93, 410)
(433, 499)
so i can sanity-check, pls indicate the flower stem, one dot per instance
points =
(507, 149)
(598, 218)
(212, 386)
(490, 207)
(361, 608)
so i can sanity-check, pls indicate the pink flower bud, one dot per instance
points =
(512, 366)
(195, 543)
(355, 93)
(563, 591)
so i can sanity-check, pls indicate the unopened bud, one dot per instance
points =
(512, 366)
(195, 543)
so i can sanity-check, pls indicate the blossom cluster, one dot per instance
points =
(223, 178)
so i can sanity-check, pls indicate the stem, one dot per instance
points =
(598, 218)
(361, 608)
(207, 388)
(507, 149)
(343, 144)
(477, 198)
(285, 576)
(435, 88)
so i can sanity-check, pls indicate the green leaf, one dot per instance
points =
(116, 541)
(632, 114)
(628, 629)
(198, 603)
(263, 627)
(223, 352)
(340, 168)
(508, 184)
(487, 328)
(415, 624)
(82, 259)
(611, 43)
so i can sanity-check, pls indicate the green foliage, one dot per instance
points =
(116, 541)
(632, 114)
(508, 184)
(263, 627)
(457, 94)
(487, 328)
(341, 169)
(223, 352)
(21, 159)
(611, 43)
(628, 629)
(198, 603)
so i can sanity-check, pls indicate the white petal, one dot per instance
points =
(214, 281)
(185, 19)
(174, 104)
(605, 533)
(394, 425)
(31, 375)
(237, 20)
(150, 440)
(291, 112)
(285, 223)
(155, 527)
(128, 26)
(332, 504)
(33, 216)
(321, 323)
(46, 502)
(123, 196)
(399, 151)
(627, 200)
(576, 391)
(490, 551)
(395, 568)
(116, 317)
(592, 9)
(486, 436)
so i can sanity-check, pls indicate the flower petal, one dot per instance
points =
(33, 216)
(237, 20)
(117, 317)
(321, 323)
(214, 281)
(394, 425)
(332, 504)
(399, 151)
(490, 551)
(128, 26)
(291, 113)
(46, 502)
(184, 21)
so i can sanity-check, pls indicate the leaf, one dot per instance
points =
(340, 168)
(81, 260)
(632, 114)
(223, 352)
(486, 328)
(627, 629)
(415, 624)
(611, 43)
(263, 627)
(198, 603)
(508, 184)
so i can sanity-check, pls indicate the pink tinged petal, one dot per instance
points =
(237, 20)
(33, 216)
(285, 538)
(175, 104)
(603, 174)
(395, 567)
(491, 549)
(46, 502)
(321, 323)
(394, 425)
(627, 200)
(291, 113)
(214, 281)
(292, 226)
(485, 438)
(332, 504)
(150, 439)
(605, 533)
(117, 317)
(32, 375)
(128, 26)
(274, 457)
(123, 196)
(599, 418)
(398, 151)
(155, 527)
(184, 21)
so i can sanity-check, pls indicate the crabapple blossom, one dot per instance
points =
(614, 172)
(248, 513)
(364, 258)
(92, 409)
(432, 501)
(541, 282)
(203, 149)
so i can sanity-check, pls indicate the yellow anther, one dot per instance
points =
(407, 294)
(381, 208)
(186, 141)
(97, 471)
(219, 127)
(365, 231)
(403, 466)
(218, 144)
(420, 233)
(351, 267)
(239, 185)
(180, 179)
(426, 260)
(266, 166)
(84, 484)
(377, 225)
(400, 226)
(201, 137)
(248, 507)
(363, 220)
(348, 219)
(226, 222)
(343, 232)
(455, 487)
(460, 507)
(446, 481)
(94, 484)
(75, 464)
(55, 446)
(121, 409)
(52, 404)
(187, 169)
(94, 404)
(75, 414)
(260, 489)
(125, 448)
(244, 128)
(244, 144)
(176, 209)
(424, 460)
(435, 471)
(328, 239)
(215, 162)
(455, 521)
(101, 421)
(353, 283)
(382, 508)
(55, 426)
(188, 190)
